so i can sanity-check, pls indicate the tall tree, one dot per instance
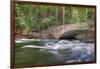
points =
(63, 15)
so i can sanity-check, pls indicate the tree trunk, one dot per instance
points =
(63, 15)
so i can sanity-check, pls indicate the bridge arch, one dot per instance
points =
(68, 35)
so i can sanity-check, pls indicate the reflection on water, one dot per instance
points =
(51, 51)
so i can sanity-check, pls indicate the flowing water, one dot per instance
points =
(52, 51)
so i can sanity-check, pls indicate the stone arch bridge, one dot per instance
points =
(56, 32)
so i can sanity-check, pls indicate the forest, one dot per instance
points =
(35, 18)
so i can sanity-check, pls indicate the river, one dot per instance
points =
(52, 51)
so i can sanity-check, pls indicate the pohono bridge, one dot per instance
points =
(57, 31)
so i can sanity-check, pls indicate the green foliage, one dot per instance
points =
(48, 22)
(38, 17)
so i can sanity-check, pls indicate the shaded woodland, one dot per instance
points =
(32, 19)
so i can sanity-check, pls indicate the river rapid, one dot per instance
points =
(54, 51)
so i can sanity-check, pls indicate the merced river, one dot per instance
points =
(52, 51)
